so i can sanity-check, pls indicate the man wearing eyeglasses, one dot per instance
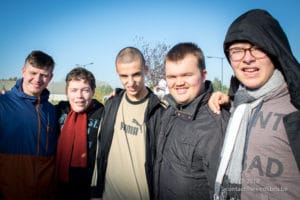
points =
(261, 152)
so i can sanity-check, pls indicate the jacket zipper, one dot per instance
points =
(39, 126)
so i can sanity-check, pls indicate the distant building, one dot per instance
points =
(57, 97)
(6, 85)
(57, 91)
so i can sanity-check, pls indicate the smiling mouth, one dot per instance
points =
(131, 89)
(79, 103)
(181, 90)
(250, 70)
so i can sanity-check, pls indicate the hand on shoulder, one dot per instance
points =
(216, 100)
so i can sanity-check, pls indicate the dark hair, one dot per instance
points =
(40, 60)
(130, 54)
(179, 51)
(80, 73)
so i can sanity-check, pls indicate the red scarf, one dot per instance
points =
(72, 145)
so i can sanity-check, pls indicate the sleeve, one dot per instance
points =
(96, 190)
(217, 131)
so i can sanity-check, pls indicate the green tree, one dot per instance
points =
(102, 90)
(13, 79)
(217, 85)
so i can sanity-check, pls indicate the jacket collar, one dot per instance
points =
(152, 104)
(188, 111)
(18, 90)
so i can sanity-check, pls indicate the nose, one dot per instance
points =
(130, 81)
(38, 78)
(248, 56)
(79, 93)
(179, 81)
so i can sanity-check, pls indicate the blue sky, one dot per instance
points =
(81, 32)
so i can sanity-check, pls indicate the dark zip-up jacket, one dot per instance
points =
(82, 176)
(188, 149)
(28, 140)
(152, 118)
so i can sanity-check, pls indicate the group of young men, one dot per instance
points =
(187, 147)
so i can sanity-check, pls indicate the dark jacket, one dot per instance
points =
(27, 145)
(152, 120)
(80, 178)
(188, 149)
(259, 28)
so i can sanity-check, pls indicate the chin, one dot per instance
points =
(180, 101)
(252, 86)
(78, 110)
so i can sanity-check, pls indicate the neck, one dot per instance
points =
(275, 81)
(243, 95)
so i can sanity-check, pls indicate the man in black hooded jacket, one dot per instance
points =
(261, 153)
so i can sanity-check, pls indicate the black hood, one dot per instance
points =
(259, 28)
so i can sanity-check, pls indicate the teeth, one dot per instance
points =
(250, 70)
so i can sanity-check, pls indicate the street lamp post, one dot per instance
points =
(221, 58)
(79, 65)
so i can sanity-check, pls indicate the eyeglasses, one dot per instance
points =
(238, 53)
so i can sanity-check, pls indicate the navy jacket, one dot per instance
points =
(28, 140)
